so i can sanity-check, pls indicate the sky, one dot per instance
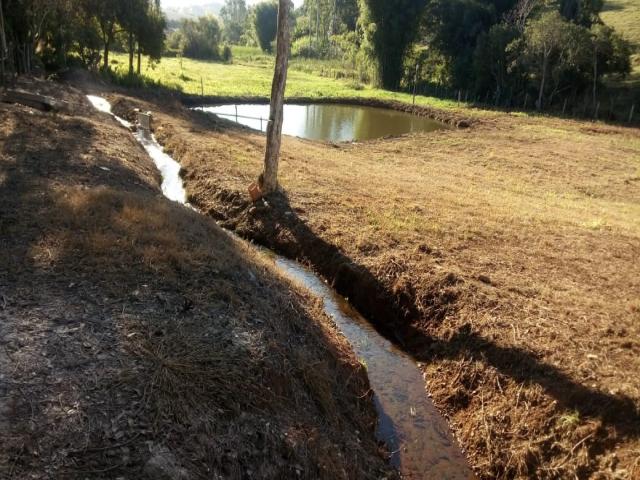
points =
(185, 3)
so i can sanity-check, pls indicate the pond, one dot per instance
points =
(331, 122)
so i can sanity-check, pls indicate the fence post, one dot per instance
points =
(526, 98)
(633, 107)
(201, 86)
(459, 96)
(595, 115)
(564, 106)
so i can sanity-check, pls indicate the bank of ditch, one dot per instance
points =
(477, 251)
(139, 339)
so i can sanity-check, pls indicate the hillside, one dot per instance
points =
(502, 256)
(138, 340)
(624, 16)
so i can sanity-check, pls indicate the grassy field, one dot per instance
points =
(251, 74)
(508, 252)
(624, 16)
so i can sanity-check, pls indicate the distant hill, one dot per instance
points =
(193, 11)
(624, 16)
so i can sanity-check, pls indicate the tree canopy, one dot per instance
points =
(266, 24)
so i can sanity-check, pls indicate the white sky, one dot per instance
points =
(185, 3)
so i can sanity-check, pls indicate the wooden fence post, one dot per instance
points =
(633, 107)
(595, 115)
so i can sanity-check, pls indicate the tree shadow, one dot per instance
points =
(127, 319)
(281, 229)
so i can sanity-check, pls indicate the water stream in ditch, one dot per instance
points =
(418, 436)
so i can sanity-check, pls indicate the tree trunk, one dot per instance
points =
(131, 53)
(269, 179)
(545, 61)
(595, 75)
(3, 46)
(106, 55)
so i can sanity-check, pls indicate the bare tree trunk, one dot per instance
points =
(3, 46)
(131, 53)
(542, 82)
(595, 75)
(269, 180)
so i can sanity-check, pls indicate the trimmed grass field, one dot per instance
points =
(511, 249)
(251, 75)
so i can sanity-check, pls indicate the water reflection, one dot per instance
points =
(337, 123)
(408, 422)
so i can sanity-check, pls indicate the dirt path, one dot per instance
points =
(138, 340)
(505, 257)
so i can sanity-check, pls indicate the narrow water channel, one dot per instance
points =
(418, 436)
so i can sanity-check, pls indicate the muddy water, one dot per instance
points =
(336, 123)
(420, 440)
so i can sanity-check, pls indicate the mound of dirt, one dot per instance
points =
(138, 340)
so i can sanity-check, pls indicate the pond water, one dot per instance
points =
(421, 443)
(331, 122)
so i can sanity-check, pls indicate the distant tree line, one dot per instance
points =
(35, 34)
(506, 52)
(533, 52)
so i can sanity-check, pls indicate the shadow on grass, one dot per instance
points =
(128, 320)
(281, 229)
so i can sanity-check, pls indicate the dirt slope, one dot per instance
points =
(505, 257)
(137, 339)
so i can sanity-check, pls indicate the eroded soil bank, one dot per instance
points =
(139, 340)
(504, 257)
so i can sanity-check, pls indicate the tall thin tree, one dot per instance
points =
(269, 178)
(3, 45)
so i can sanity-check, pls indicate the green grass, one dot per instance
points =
(624, 16)
(251, 74)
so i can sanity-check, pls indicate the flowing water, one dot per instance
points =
(331, 122)
(419, 438)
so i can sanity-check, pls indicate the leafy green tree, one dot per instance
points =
(581, 12)
(493, 59)
(545, 39)
(454, 28)
(150, 34)
(234, 19)
(389, 29)
(266, 24)
(610, 53)
(201, 38)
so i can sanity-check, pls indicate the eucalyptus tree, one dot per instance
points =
(266, 24)
(234, 18)
(390, 27)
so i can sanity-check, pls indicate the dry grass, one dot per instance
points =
(512, 249)
(130, 321)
